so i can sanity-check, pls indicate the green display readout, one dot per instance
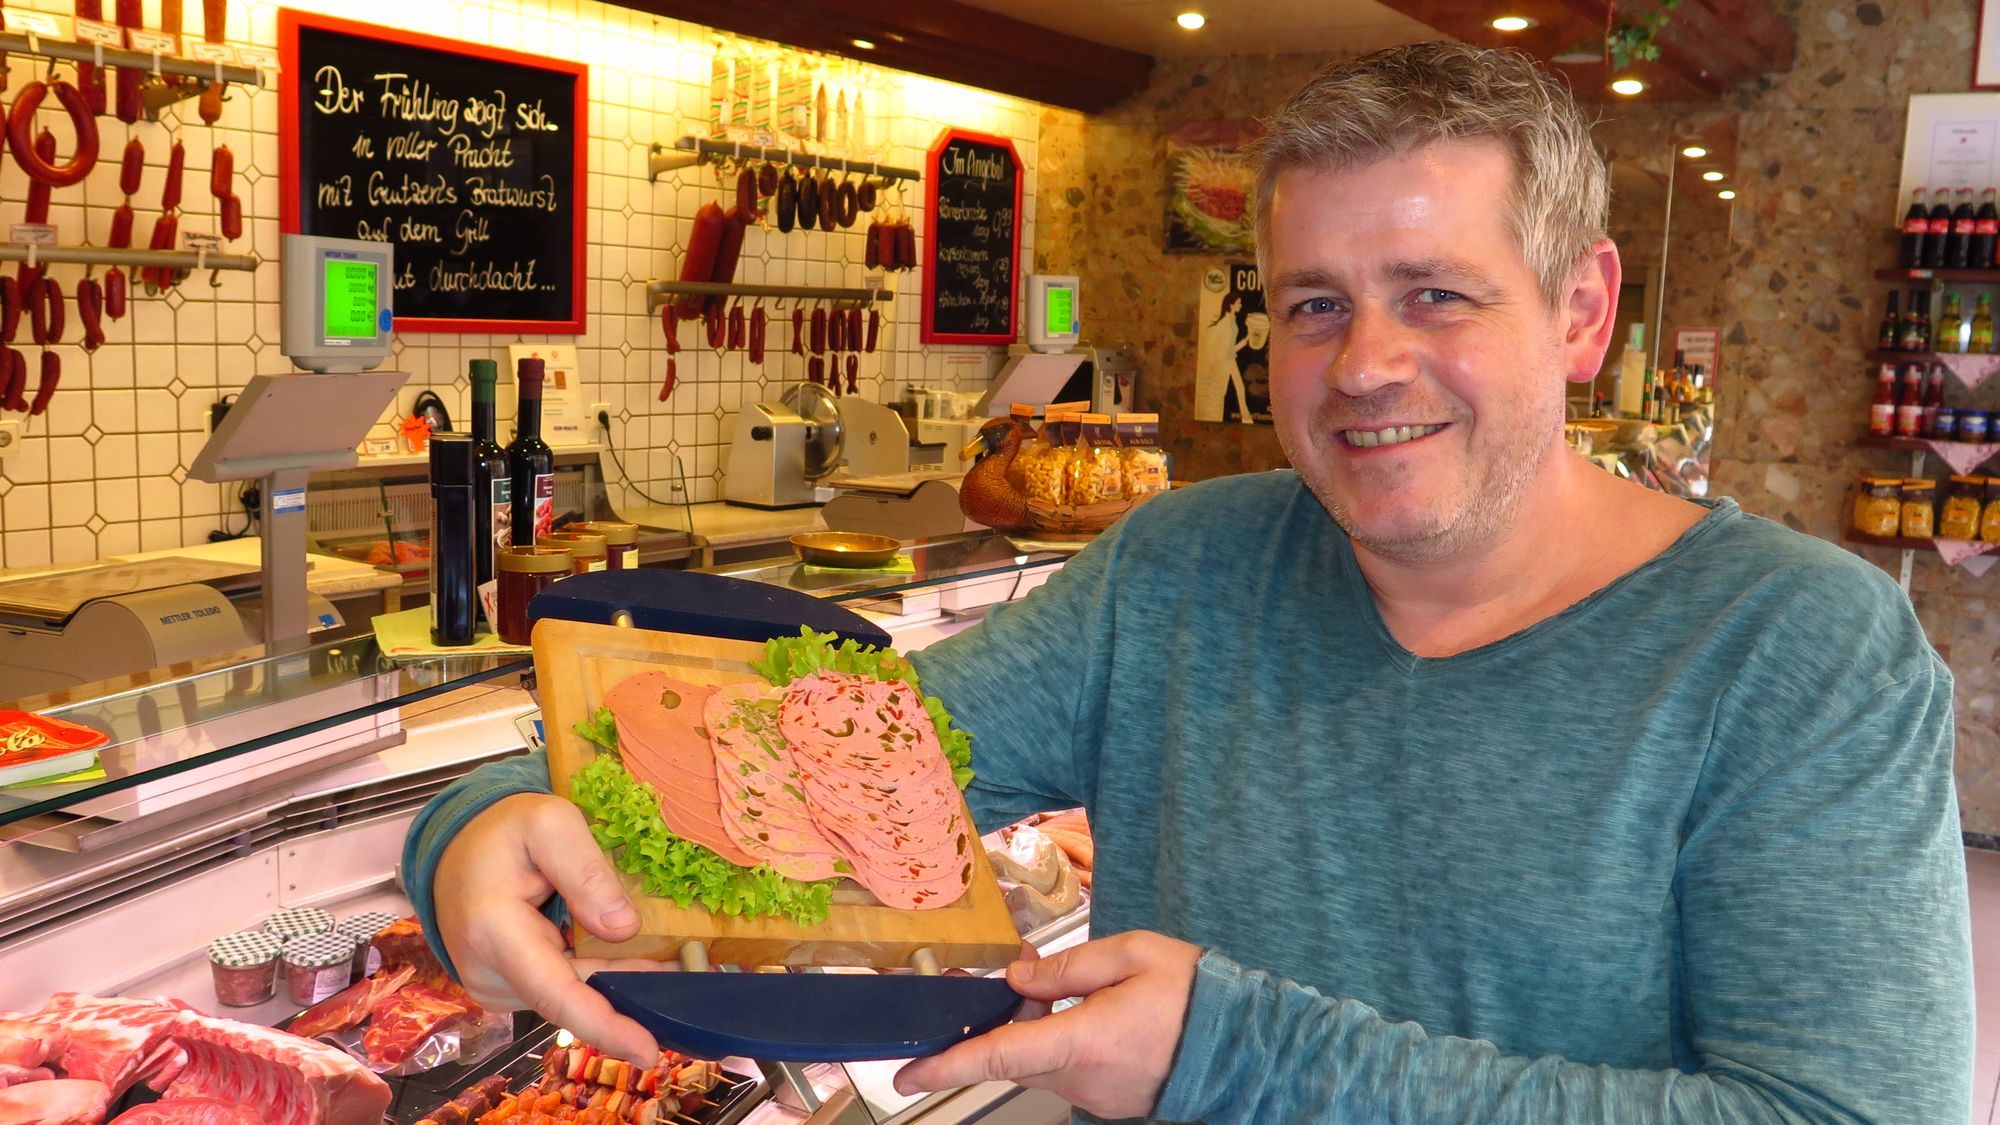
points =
(1061, 308)
(350, 300)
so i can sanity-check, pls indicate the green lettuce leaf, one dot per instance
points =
(602, 730)
(624, 816)
(788, 658)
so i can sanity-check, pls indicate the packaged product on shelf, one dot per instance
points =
(1096, 472)
(303, 921)
(1989, 518)
(1047, 476)
(1880, 511)
(1974, 425)
(1030, 449)
(1944, 427)
(1963, 502)
(363, 928)
(1919, 508)
(318, 966)
(245, 968)
(1144, 462)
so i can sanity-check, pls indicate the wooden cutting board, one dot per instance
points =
(578, 663)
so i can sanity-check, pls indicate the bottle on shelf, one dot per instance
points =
(1910, 402)
(1890, 338)
(1917, 322)
(531, 466)
(1985, 232)
(491, 486)
(1646, 394)
(1951, 327)
(1958, 248)
(1933, 400)
(1940, 230)
(1981, 338)
(1916, 232)
(1882, 412)
(454, 597)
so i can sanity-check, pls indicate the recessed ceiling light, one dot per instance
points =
(1628, 86)
(1694, 152)
(1711, 177)
(1193, 21)
(864, 44)
(1725, 193)
(1513, 23)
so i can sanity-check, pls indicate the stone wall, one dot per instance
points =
(1787, 273)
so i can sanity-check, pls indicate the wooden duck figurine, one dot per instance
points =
(992, 493)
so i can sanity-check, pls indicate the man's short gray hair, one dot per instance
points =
(1397, 100)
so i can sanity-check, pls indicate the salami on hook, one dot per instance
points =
(42, 169)
(90, 310)
(114, 293)
(46, 387)
(13, 381)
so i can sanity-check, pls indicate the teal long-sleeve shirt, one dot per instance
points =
(1687, 851)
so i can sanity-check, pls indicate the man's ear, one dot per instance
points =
(1590, 312)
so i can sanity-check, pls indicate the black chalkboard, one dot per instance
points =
(470, 159)
(973, 239)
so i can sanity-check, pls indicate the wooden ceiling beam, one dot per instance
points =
(938, 38)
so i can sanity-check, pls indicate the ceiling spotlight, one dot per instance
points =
(1725, 193)
(1694, 152)
(1628, 86)
(864, 44)
(1193, 21)
(1711, 177)
(1513, 23)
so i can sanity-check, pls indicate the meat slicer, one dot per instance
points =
(781, 451)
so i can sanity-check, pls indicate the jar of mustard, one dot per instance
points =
(1881, 508)
(1963, 501)
(1919, 509)
(1989, 519)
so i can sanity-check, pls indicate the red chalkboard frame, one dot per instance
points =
(928, 334)
(291, 20)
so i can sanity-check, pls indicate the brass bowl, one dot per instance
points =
(844, 548)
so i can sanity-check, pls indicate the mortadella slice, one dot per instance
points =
(663, 743)
(762, 800)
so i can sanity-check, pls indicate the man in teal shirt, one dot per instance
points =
(1445, 778)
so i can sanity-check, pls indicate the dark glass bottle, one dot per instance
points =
(1916, 231)
(454, 600)
(531, 467)
(1917, 323)
(1940, 232)
(1889, 339)
(491, 493)
(1985, 233)
(1958, 248)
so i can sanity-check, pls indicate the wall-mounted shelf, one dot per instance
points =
(1969, 368)
(157, 95)
(657, 292)
(1961, 548)
(107, 256)
(1973, 277)
(689, 151)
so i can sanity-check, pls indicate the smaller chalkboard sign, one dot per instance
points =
(973, 239)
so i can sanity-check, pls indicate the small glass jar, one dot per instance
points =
(621, 542)
(588, 551)
(520, 574)
(362, 928)
(245, 968)
(1919, 509)
(1882, 513)
(1945, 426)
(1973, 425)
(318, 966)
(302, 921)
(1958, 518)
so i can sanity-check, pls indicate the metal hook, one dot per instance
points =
(215, 279)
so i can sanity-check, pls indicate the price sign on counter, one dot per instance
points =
(469, 159)
(972, 243)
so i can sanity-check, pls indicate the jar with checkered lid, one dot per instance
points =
(317, 966)
(363, 928)
(245, 967)
(298, 921)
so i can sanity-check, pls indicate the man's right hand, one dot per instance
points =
(488, 888)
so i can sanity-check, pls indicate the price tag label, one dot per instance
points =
(872, 283)
(263, 58)
(161, 41)
(194, 242)
(212, 52)
(32, 234)
(40, 23)
(102, 34)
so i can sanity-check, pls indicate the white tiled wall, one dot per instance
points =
(104, 472)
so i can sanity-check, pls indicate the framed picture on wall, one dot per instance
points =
(1211, 188)
(1986, 47)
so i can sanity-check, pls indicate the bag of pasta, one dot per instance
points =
(1142, 461)
(1094, 472)
(1031, 447)
(1046, 476)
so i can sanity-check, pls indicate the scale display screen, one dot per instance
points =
(1061, 311)
(1052, 312)
(350, 300)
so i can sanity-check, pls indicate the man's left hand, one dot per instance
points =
(1109, 1054)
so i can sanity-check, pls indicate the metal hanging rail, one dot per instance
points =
(107, 256)
(15, 43)
(689, 151)
(658, 292)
